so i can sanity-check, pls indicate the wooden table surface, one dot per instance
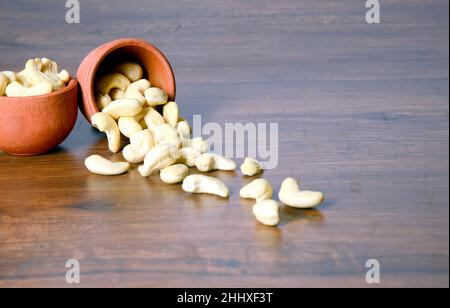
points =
(363, 116)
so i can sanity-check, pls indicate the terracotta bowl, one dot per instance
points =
(37, 124)
(100, 61)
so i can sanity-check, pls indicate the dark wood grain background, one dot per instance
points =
(363, 113)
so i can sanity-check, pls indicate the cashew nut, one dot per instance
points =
(167, 134)
(15, 89)
(259, 190)
(50, 69)
(131, 70)
(116, 94)
(4, 81)
(123, 108)
(105, 124)
(159, 157)
(198, 144)
(64, 76)
(171, 113)
(102, 166)
(184, 129)
(291, 195)
(188, 156)
(209, 162)
(155, 97)
(267, 212)
(33, 70)
(102, 101)
(11, 76)
(201, 184)
(136, 90)
(128, 126)
(251, 167)
(153, 119)
(174, 174)
(140, 144)
(112, 81)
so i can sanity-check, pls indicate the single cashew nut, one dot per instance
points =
(112, 81)
(116, 94)
(184, 130)
(198, 144)
(201, 184)
(259, 190)
(22, 78)
(188, 156)
(15, 89)
(102, 166)
(123, 108)
(140, 144)
(131, 70)
(153, 119)
(291, 195)
(136, 90)
(167, 134)
(105, 124)
(159, 157)
(251, 167)
(64, 76)
(171, 113)
(174, 174)
(102, 101)
(209, 162)
(11, 76)
(128, 126)
(267, 212)
(33, 71)
(155, 97)
(4, 81)
(50, 69)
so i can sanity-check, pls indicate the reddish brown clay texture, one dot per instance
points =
(35, 125)
(101, 60)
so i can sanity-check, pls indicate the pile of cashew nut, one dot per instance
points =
(162, 143)
(40, 76)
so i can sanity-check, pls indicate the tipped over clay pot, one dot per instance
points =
(101, 61)
(37, 124)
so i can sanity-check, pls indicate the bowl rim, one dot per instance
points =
(71, 84)
(105, 50)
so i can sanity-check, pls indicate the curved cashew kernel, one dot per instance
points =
(128, 126)
(4, 81)
(251, 167)
(105, 124)
(15, 89)
(171, 113)
(155, 97)
(64, 76)
(259, 190)
(141, 115)
(159, 157)
(22, 77)
(140, 144)
(153, 119)
(291, 195)
(50, 69)
(209, 162)
(33, 71)
(102, 166)
(136, 90)
(184, 130)
(11, 76)
(174, 174)
(267, 212)
(167, 134)
(116, 94)
(112, 81)
(131, 70)
(102, 101)
(201, 184)
(188, 156)
(123, 108)
(198, 144)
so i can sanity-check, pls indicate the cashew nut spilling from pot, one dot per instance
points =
(102, 166)
(106, 124)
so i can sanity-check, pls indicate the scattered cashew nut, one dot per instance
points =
(267, 212)
(188, 156)
(159, 157)
(174, 174)
(167, 134)
(123, 108)
(171, 113)
(291, 195)
(128, 126)
(259, 190)
(251, 167)
(153, 119)
(140, 144)
(155, 97)
(201, 184)
(102, 166)
(106, 124)
(209, 162)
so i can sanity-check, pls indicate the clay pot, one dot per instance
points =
(37, 124)
(101, 60)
